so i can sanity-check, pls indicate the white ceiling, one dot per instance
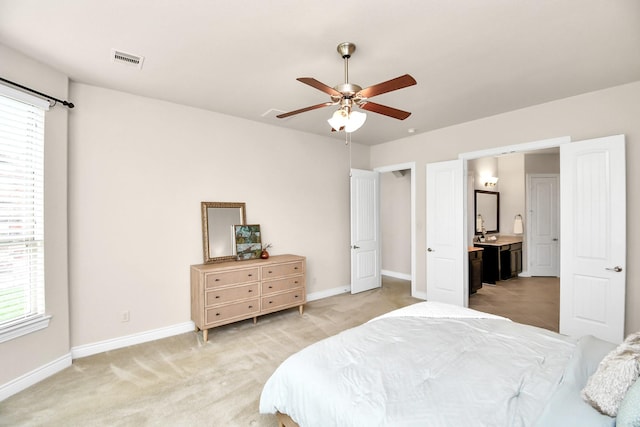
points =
(471, 58)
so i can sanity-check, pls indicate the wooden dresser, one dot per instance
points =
(230, 291)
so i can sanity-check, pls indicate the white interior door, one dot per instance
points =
(543, 218)
(593, 235)
(447, 266)
(365, 230)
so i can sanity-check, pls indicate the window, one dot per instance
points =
(22, 308)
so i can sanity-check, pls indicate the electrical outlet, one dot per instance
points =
(124, 316)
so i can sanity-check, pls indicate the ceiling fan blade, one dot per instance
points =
(319, 85)
(383, 109)
(302, 110)
(388, 86)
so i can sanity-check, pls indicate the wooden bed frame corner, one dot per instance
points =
(285, 420)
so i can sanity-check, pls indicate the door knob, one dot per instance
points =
(617, 269)
(430, 250)
(355, 247)
(555, 240)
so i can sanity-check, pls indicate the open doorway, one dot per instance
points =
(528, 193)
(397, 223)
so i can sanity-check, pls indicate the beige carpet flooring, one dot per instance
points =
(182, 381)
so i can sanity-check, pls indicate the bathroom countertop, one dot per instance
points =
(502, 240)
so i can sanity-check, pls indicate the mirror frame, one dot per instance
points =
(204, 207)
(475, 210)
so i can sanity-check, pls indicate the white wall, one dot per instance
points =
(138, 170)
(607, 112)
(395, 223)
(512, 190)
(47, 350)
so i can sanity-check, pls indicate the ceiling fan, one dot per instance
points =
(348, 95)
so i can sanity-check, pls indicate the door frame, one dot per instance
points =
(509, 149)
(411, 166)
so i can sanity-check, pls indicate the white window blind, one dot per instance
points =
(22, 302)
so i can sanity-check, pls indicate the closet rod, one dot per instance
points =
(44, 95)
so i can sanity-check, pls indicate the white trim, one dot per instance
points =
(395, 274)
(329, 293)
(24, 327)
(128, 340)
(21, 96)
(516, 148)
(414, 259)
(34, 377)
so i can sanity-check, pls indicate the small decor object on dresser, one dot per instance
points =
(248, 243)
(265, 252)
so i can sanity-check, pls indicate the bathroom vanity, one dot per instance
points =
(502, 258)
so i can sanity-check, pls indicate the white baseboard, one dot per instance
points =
(329, 293)
(35, 376)
(139, 338)
(420, 295)
(395, 274)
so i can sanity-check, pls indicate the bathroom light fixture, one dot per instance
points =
(490, 181)
(349, 121)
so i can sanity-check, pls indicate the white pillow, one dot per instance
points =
(629, 411)
(615, 374)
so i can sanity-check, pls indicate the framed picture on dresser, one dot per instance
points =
(248, 241)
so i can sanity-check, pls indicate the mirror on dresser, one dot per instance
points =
(218, 219)
(487, 211)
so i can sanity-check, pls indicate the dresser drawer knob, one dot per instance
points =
(217, 280)
(295, 296)
(295, 268)
(217, 314)
(250, 290)
(217, 296)
(295, 281)
(250, 275)
(270, 302)
(250, 306)
(270, 271)
(270, 287)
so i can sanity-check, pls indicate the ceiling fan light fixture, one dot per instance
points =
(338, 119)
(355, 121)
(350, 122)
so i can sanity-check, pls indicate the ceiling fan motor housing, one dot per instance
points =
(348, 89)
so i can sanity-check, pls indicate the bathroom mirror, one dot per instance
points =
(487, 206)
(218, 238)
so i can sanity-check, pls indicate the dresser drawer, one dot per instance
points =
(292, 298)
(231, 277)
(226, 295)
(280, 285)
(225, 312)
(281, 270)
(516, 246)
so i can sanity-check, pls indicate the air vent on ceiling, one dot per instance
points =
(129, 59)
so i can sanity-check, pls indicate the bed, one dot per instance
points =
(432, 364)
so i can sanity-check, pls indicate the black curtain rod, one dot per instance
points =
(44, 95)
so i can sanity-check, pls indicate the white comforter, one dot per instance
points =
(422, 366)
